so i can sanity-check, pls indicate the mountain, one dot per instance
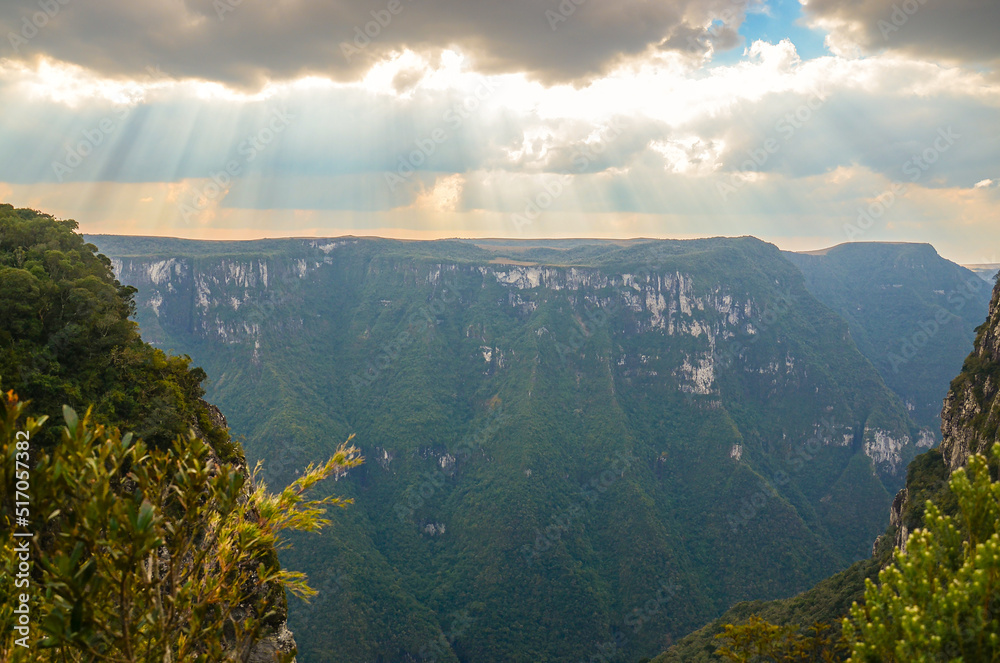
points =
(970, 424)
(985, 271)
(575, 448)
(910, 311)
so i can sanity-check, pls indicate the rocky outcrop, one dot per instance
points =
(896, 520)
(280, 642)
(716, 323)
(971, 416)
(885, 449)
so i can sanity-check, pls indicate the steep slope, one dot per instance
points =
(573, 449)
(911, 312)
(971, 415)
(970, 420)
(66, 338)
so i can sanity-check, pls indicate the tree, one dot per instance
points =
(940, 601)
(66, 336)
(759, 641)
(142, 553)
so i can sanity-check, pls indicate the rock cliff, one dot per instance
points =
(971, 416)
(499, 393)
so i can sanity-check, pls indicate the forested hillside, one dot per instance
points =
(574, 448)
(971, 425)
(911, 312)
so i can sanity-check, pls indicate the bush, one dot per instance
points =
(144, 554)
(940, 601)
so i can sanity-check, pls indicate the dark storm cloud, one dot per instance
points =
(963, 30)
(246, 42)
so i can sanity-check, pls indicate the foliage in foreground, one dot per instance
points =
(941, 600)
(144, 554)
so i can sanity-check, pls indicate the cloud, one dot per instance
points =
(245, 44)
(431, 137)
(808, 117)
(807, 213)
(952, 30)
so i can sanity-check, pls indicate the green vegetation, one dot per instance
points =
(911, 312)
(979, 382)
(156, 545)
(826, 603)
(940, 601)
(143, 554)
(493, 403)
(758, 641)
(554, 478)
(66, 337)
(938, 593)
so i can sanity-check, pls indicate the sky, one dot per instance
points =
(806, 123)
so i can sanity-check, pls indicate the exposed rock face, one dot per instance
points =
(884, 449)
(280, 642)
(738, 381)
(233, 300)
(971, 416)
(896, 520)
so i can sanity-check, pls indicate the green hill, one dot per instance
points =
(910, 311)
(574, 447)
(970, 425)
